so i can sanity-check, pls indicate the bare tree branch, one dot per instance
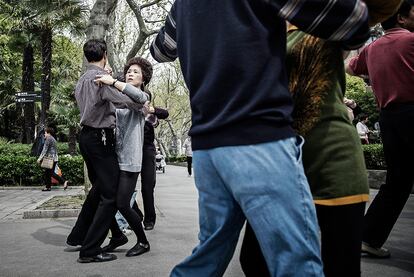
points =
(146, 5)
(137, 11)
(144, 33)
(153, 21)
(153, 32)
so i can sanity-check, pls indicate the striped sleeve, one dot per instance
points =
(336, 20)
(164, 46)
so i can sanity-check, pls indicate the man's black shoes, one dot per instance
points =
(138, 249)
(103, 257)
(114, 243)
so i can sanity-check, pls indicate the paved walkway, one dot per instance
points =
(36, 247)
(14, 202)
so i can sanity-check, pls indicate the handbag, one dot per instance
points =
(58, 172)
(47, 163)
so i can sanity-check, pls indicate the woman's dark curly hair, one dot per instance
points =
(50, 131)
(146, 69)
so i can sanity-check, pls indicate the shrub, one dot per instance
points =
(356, 90)
(23, 170)
(374, 156)
(176, 159)
(19, 149)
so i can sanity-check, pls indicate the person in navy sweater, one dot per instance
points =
(246, 156)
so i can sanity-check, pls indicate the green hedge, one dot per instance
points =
(373, 153)
(23, 170)
(176, 159)
(19, 149)
(15, 149)
(374, 156)
(16, 169)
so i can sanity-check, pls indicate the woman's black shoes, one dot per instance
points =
(46, 189)
(114, 243)
(148, 226)
(138, 249)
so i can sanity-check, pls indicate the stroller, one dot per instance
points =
(160, 162)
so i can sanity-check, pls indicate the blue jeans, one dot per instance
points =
(122, 223)
(265, 184)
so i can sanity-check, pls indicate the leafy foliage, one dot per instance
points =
(25, 22)
(23, 170)
(374, 156)
(356, 90)
(373, 153)
(18, 168)
(10, 72)
(67, 59)
(176, 159)
(170, 92)
(53, 14)
(19, 149)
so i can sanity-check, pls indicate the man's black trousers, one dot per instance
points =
(99, 208)
(397, 133)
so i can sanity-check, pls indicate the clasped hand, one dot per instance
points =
(105, 79)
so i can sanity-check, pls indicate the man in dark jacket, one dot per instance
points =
(247, 158)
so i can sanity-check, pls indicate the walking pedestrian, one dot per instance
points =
(188, 154)
(50, 152)
(363, 129)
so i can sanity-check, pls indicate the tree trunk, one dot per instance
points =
(28, 85)
(72, 140)
(174, 138)
(99, 20)
(164, 150)
(19, 121)
(46, 41)
(6, 124)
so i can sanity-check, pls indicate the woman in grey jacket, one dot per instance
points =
(50, 150)
(129, 141)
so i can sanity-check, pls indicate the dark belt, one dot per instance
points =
(88, 128)
(396, 106)
(107, 134)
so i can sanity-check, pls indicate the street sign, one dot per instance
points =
(27, 93)
(28, 97)
(25, 100)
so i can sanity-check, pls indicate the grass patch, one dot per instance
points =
(63, 202)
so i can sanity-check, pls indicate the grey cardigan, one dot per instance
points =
(49, 149)
(130, 132)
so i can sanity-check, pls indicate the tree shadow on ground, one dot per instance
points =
(54, 235)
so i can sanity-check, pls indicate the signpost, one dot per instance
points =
(28, 97)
